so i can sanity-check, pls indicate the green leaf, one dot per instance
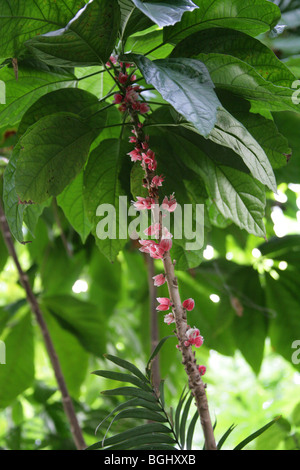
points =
(78, 43)
(283, 299)
(127, 365)
(68, 100)
(131, 392)
(18, 373)
(232, 74)
(136, 442)
(264, 131)
(252, 16)
(83, 319)
(71, 202)
(144, 429)
(165, 13)
(230, 133)
(186, 85)
(132, 19)
(157, 349)
(191, 430)
(20, 21)
(35, 80)
(141, 414)
(183, 420)
(241, 46)
(122, 378)
(103, 186)
(14, 211)
(251, 327)
(224, 437)
(237, 196)
(50, 159)
(72, 356)
(253, 436)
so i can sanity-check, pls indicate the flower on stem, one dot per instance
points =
(157, 181)
(112, 60)
(143, 203)
(164, 303)
(118, 98)
(159, 280)
(122, 78)
(135, 155)
(169, 204)
(152, 231)
(202, 370)
(188, 304)
(193, 338)
(169, 318)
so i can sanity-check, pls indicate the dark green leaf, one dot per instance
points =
(103, 188)
(251, 16)
(225, 435)
(123, 378)
(17, 375)
(145, 429)
(20, 21)
(83, 319)
(186, 85)
(87, 40)
(183, 420)
(165, 13)
(141, 414)
(191, 430)
(126, 365)
(50, 159)
(131, 392)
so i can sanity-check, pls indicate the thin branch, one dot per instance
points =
(154, 332)
(66, 399)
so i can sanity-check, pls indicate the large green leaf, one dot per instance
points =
(186, 85)
(72, 357)
(264, 131)
(18, 372)
(50, 159)
(20, 21)
(236, 194)
(132, 19)
(252, 16)
(71, 202)
(70, 100)
(35, 80)
(283, 299)
(83, 319)
(232, 74)
(231, 133)
(88, 39)
(251, 325)
(165, 13)
(241, 46)
(102, 186)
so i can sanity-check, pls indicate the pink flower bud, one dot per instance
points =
(189, 304)
(165, 303)
(202, 370)
(169, 318)
(159, 280)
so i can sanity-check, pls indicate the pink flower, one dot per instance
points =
(202, 370)
(169, 205)
(169, 318)
(123, 77)
(189, 304)
(193, 338)
(135, 155)
(144, 108)
(133, 78)
(159, 280)
(111, 59)
(165, 303)
(166, 244)
(144, 203)
(157, 181)
(153, 230)
(118, 98)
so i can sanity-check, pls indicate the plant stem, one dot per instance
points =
(154, 333)
(196, 384)
(66, 399)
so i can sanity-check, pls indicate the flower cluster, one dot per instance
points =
(128, 100)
